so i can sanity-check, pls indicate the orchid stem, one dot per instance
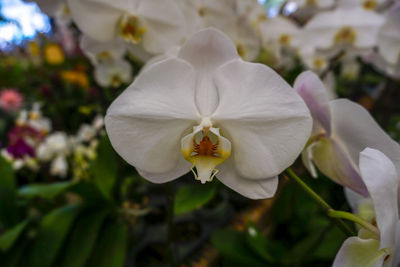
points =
(351, 217)
(170, 222)
(320, 201)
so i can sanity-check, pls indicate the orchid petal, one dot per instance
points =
(313, 92)
(357, 130)
(389, 36)
(266, 121)
(146, 122)
(357, 252)
(97, 20)
(307, 159)
(206, 51)
(333, 160)
(254, 189)
(182, 167)
(163, 21)
(381, 179)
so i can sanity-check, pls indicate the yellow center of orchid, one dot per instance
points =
(284, 39)
(241, 50)
(131, 30)
(311, 3)
(115, 81)
(318, 63)
(201, 11)
(205, 148)
(345, 35)
(104, 56)
(369, 4)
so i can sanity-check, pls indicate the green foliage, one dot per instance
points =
(193, 196)
(104, 168)
(46, 191)
(8, 196)
(8, 238)
(110, 249)
(233, 246)
(52, 233)
(82, 238)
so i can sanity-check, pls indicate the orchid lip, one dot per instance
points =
(205, 148)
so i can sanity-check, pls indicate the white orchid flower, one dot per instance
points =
(279, 30)
(113, 73)
(208, 110)
(156, 24)
(55, 148)
(382, 181)
(247, 41)
(348, 28)
(54, 144)
(341, 130)
(100, 52)
(314, 60)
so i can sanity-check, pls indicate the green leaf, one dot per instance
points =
(194, 196)
(8, 197)
(52, 232)
(104, 168)
(47, 191)
(83, 238)
(111, 248)
(265, 248)
(8, 238)
(232, 245)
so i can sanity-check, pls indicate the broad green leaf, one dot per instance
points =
(194, 196)
(52, 233)
(8, 204)
(8, 238)
(104, 168)
(47, 191)
(82, 238)
(232, 245)
(110, 249)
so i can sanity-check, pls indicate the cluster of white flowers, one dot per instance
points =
(32, 143)
(316, 31)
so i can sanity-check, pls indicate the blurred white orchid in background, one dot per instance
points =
(341, 130)
(114, 73)
(156, 24)
(382, 181)
(55, 148)
(209, 108)
(388, 57)
(347, 28)
(103, 52)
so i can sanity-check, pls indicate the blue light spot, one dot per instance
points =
(23, 21)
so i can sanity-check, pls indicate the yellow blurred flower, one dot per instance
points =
(53, 54)
(75, 77)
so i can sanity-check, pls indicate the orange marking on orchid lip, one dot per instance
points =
(205, 147)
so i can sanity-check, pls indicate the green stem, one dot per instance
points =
(170, 221)
(341, 224)
(351, 217)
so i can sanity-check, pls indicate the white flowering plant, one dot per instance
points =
(203, 133)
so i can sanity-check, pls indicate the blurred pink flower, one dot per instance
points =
(10, 99)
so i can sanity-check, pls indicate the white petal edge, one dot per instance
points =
(381, 179)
